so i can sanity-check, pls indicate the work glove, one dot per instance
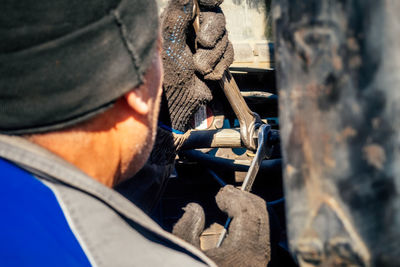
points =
(187, 71)
(190, 60)
(247, 242)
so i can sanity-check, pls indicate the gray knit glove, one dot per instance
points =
(190, 60)
(247, 242)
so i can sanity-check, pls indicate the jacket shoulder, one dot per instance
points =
(34, 231)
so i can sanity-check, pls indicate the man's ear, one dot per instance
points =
(138, 101)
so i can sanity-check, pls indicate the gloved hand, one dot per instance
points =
(186, 72)
(190, 60)
(247, 242)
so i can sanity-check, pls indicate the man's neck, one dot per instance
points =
(94, 152)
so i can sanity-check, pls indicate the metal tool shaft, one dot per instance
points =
(248, 120)
(253, 170)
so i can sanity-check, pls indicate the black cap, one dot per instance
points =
(64, 61)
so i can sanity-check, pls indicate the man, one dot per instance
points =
(80, 90)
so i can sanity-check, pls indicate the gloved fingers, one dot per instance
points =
(210, 3)
(248, 233)
(191, 224)
(236, 202)
(176, 18)
(252, 226)
(177, 12)
(175, 21)
(178, 65)
(206, 59)
(222, 65)
(249, 215)
(212, 27)
(202, 90)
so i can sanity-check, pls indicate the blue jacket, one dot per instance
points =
(52, 214)
(34, 228)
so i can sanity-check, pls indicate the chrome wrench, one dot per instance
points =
(262, 152)
(249, 121)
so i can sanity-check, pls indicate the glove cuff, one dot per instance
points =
(183, 103)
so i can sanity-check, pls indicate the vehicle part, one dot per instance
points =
(338, 75)
(272, 166)
(212, 139)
